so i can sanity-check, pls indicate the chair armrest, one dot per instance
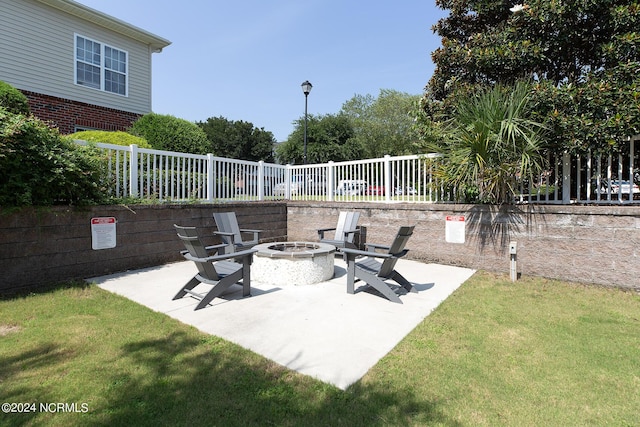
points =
(371, 247)
(240, 254)
(216, 247)
(231, 236)
(247, 230)
(321, 232)
(207, 248)
(357, 252)
(355, 230)
(255, 233)
(347, 232)
(214, 258)
(352, 253)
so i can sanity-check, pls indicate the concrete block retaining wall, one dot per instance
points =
(46, 246)
(589, 244)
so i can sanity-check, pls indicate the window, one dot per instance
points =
(100, 66)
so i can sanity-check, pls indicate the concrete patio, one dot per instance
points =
(317, 330)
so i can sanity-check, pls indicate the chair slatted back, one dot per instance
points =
(397, 248)
(194, 246)
(228, 223)
(346, 221)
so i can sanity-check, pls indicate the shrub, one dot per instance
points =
(40, 167)
(116, 138)
(170, 133)
(489, 145)
(13, 100)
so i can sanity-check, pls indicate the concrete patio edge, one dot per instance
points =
(317, 330)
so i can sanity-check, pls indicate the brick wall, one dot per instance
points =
(67, 114)
(589, 244)
(46, 246)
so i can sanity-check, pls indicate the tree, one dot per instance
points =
(329, 138)
(165, 132)
(383, 125)
(581, 53)
(238, 139)
(489, 145)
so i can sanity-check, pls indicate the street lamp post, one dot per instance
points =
(306, 88)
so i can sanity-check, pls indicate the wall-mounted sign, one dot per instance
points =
(103, 232)
(454, 229)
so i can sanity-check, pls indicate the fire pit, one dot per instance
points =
(293, 263)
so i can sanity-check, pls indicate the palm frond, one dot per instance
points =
(491, 143)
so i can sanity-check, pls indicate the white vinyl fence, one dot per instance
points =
(589, 179)
(171, 176)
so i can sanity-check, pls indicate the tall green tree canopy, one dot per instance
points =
(238, 139)
(383, 125)
(582, 54)
(329, 138)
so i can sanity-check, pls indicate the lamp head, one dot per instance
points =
(306, 87)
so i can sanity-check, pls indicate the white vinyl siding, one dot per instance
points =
(100, 66)
(37, 53)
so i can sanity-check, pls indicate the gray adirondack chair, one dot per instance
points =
(220, 270)
(375, 273)
(232, 235)
(344, 232)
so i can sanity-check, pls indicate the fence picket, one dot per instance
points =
(171, 176)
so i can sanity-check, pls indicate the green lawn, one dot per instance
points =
(533, 353)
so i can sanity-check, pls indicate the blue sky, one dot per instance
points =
(246, 59)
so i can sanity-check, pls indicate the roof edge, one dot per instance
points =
(94, 16)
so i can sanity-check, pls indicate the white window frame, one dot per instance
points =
(102, 66)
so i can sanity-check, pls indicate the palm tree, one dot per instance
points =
(489, 145)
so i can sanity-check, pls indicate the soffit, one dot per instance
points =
(96, 17)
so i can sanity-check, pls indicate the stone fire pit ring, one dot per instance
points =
(293, 263)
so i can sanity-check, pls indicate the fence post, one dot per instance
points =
(133, 170)
(210, 177)
(260, 180)
(589, 175)
(287, 177)
(631, 168)
(387, 178)
(566, 178)
(620, 178)
(331, 185)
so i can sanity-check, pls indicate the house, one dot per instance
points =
(80, 68)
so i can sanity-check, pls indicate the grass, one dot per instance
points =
(535, 352)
